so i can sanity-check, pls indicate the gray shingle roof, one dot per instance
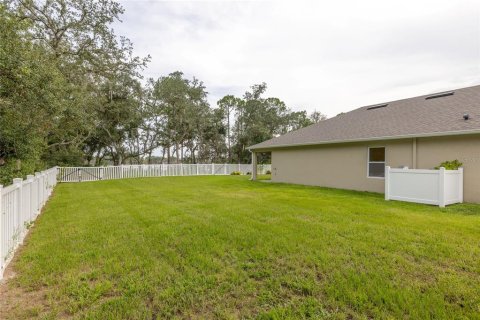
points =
(402, 118)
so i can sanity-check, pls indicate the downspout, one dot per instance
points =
(414, 153)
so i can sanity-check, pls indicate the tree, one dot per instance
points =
(98, 66)
(259, 119)
(70, 94)
(228, 105)
(298, 120)
(180, 113)
(317, 116)
(30, 84)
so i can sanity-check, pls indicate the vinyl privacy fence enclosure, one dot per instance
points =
(437, 187)
(20, 204)
(79, 174)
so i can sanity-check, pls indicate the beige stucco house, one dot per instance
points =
(351, 150)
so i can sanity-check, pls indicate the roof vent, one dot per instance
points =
(440, 95)
(466, 116)
(378, 106)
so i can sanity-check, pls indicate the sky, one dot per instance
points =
(330, 56)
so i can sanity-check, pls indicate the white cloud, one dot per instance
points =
(331, 56)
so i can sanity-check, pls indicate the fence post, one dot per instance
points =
(213, 169)
(460, 185)
(225, 169)
(197, 169)
(441, 187)
(44, 191)
(30, 179)
(38, 192)
(387, 183)
(2, 261)
(18, 206)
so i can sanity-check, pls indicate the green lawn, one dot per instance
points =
(228, 248)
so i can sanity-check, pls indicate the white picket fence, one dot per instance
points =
(79, 174)
(438, 187)
(20, 204)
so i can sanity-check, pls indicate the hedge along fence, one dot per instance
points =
(20, 204)
(79, 174)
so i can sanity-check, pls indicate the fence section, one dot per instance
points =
(20, 204)
(438, 187)
(79, 174)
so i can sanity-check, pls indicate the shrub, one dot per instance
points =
(450, 165)
(249, 173)
(235, 173)
(269, 172)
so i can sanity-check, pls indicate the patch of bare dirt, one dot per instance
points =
(16, 302)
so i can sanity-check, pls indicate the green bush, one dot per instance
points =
(235, 173)
(450, 165)
(269, 172)
(13, 168)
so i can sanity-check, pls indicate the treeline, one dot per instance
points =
(71, 93)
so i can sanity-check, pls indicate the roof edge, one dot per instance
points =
(414, 135)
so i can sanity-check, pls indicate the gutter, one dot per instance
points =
(415, 135)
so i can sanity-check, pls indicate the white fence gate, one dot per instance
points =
(20, 204)
(79, 174)
(438, 187)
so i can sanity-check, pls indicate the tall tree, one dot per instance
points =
(95, 63)
(228, 105)
(258, 119)
(30, 87)
(183, 109)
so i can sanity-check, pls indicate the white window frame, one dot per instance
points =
(368, 161)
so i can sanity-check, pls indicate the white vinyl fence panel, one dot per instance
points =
(79, 174)
(20, 204)
(437, 187)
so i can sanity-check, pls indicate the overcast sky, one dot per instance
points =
(332, 56)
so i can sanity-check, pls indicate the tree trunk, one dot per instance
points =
(163, 155)
(177, 152)
(228, 136)
(181, 152)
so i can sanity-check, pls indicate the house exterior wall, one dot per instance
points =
(341, 166)
(432, 151)
(345, 165)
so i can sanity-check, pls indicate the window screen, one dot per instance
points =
(376, 162)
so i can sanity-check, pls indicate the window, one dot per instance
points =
(376, 162)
